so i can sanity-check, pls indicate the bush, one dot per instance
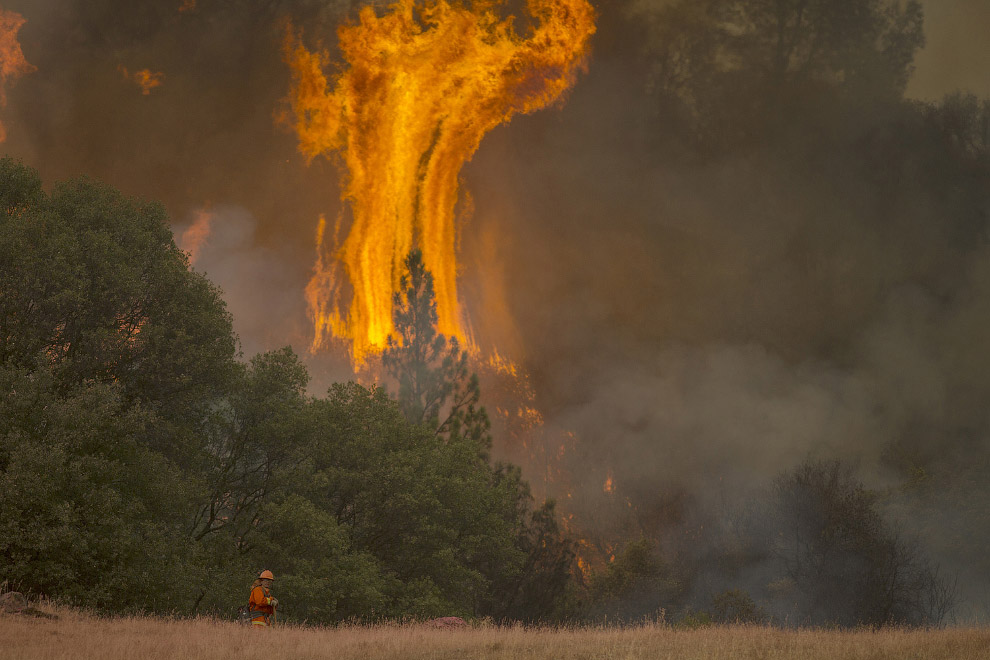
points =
(845, 565)
(736, 606)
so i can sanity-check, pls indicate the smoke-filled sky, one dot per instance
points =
(957, 56)
(716, 323)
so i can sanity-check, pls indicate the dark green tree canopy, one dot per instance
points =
(134, 447)
(94, 282)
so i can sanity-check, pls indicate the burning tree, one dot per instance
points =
(430, 368)
(437, 390)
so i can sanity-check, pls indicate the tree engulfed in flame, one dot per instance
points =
(12, 62)
(424, 83)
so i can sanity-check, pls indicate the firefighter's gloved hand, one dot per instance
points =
(274, 602)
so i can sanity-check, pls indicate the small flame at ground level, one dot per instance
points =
(425, 82)
(12, 62)
(546, 454)
(146, 79)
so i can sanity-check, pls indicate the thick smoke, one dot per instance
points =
(956, 57)
(699, 325)
(254, 279)
(705, 325)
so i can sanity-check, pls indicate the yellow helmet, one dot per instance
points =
(266, 575)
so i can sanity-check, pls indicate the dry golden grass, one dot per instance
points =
(78, 636)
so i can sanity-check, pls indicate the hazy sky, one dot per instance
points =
(958, 52)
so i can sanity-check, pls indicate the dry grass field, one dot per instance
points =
(76, 635)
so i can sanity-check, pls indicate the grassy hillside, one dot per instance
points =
(82, 637)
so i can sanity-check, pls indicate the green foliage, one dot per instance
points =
(322, 578)
(143, 468)
(250, 434)
(534, 581)
(111, 351)
(635, 563)
(736, 606)
(522, 559)
(410, 511)
(692, 620)
(93, 281)
(85, 501)
(21, 189)
(637, 583)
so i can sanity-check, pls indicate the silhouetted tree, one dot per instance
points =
(638, 583)
(435, 385)
(437, 390)
(839, 562)
(737, 69)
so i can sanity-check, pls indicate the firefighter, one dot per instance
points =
(261, 604)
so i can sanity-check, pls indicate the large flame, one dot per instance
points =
(425, 82)
(12, 62)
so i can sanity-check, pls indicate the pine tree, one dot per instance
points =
(436, 387)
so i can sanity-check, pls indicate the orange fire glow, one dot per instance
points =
(195, 236)
(12, 62)
(609, 487)
(584, 567)
(187, 5)
(425, 82)
(146, 79)
(323, 280)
